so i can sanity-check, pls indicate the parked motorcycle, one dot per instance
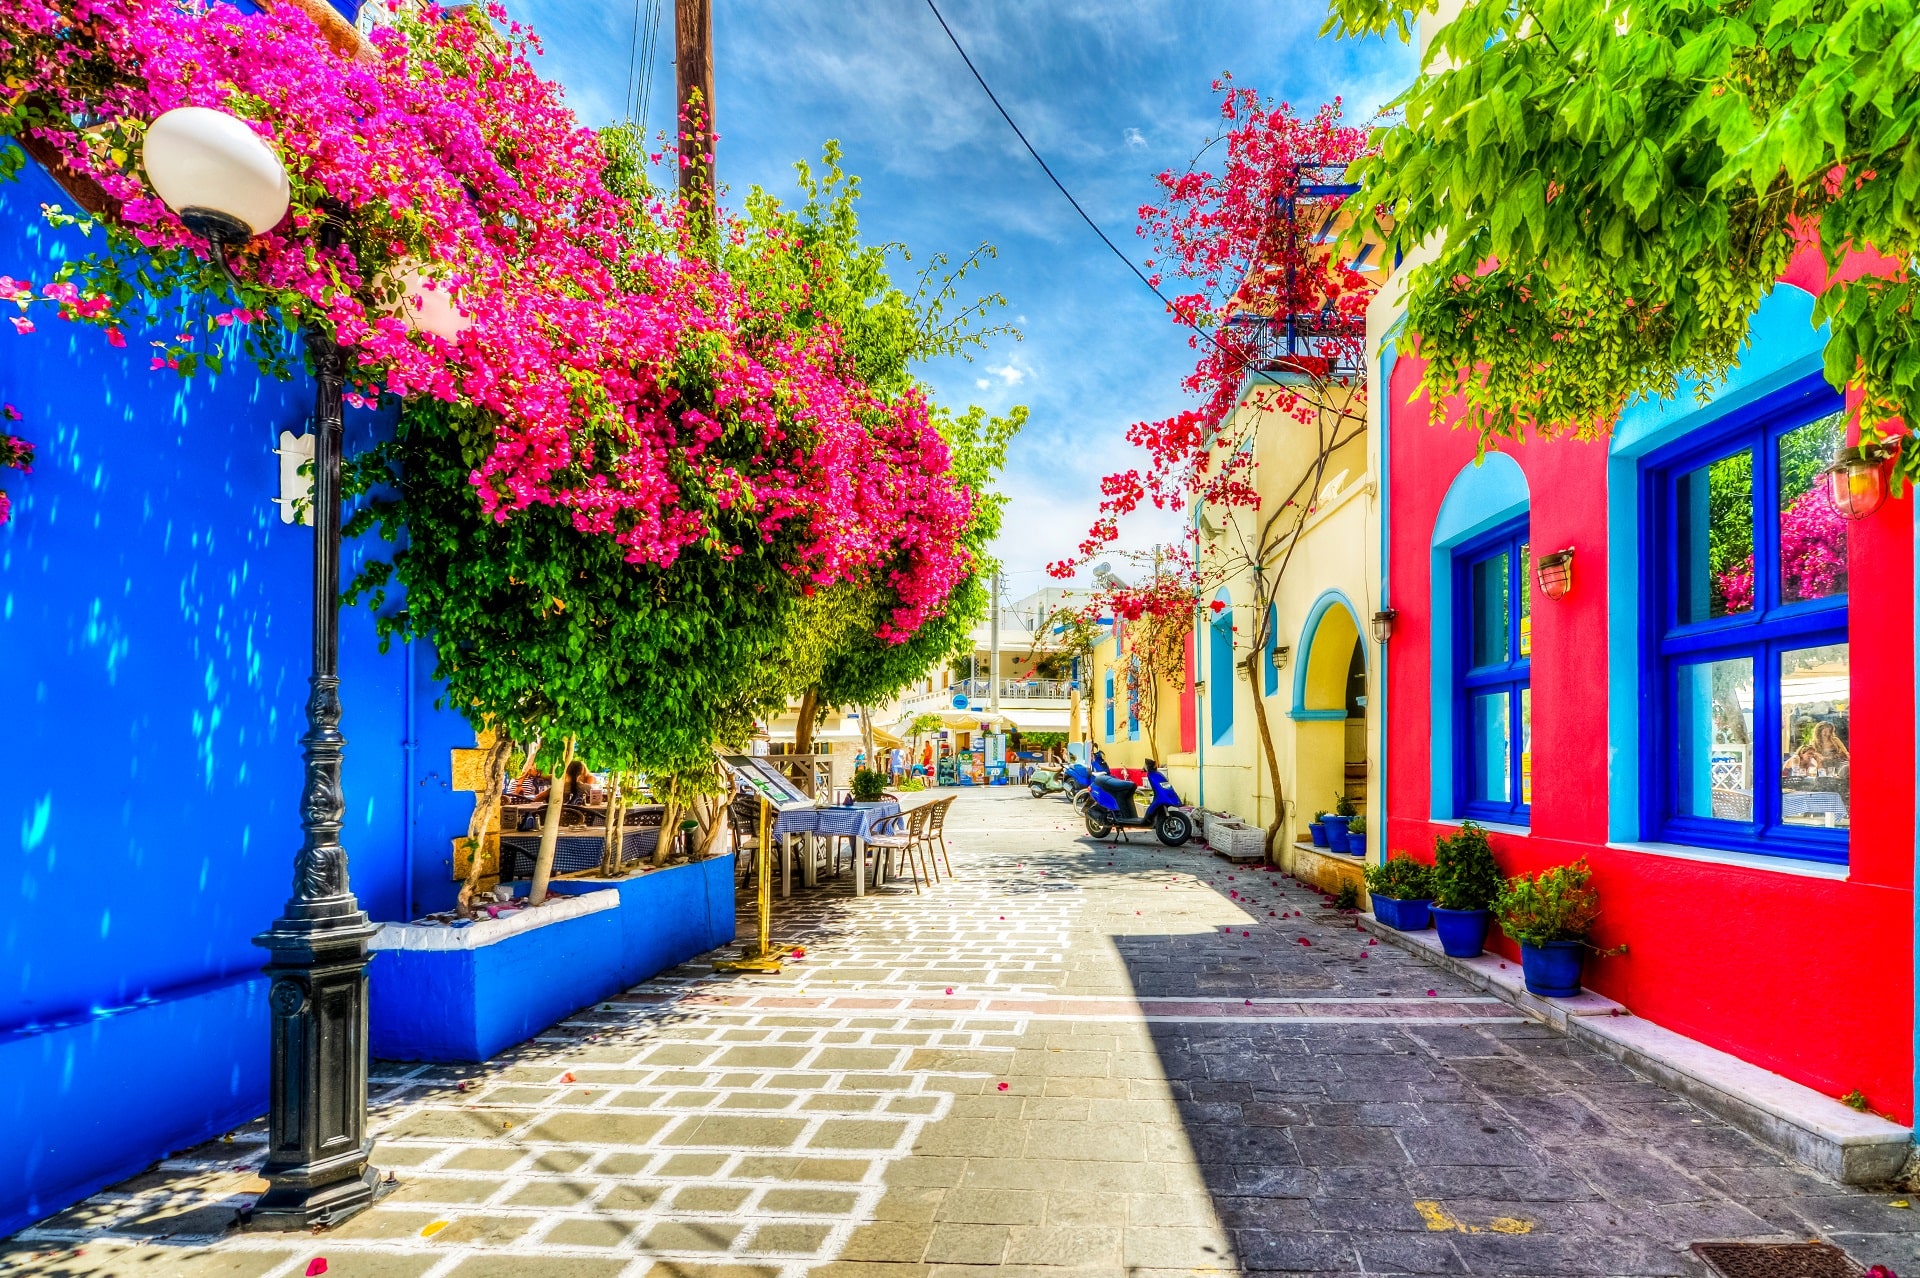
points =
(1074, 780)
(1045, 781)
(1114, 808)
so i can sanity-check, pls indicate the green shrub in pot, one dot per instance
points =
(1465, 882)
(1550, 915)
(869, 786)
(1401, 890)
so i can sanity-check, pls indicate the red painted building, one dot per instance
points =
(1718, 716)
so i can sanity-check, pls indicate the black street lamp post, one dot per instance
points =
(227, 184)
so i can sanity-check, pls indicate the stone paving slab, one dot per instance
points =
(1071, 1059)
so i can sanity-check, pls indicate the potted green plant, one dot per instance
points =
(1357, 835)
(869, 786)
(1317, 829)
(1336, 822)
(1465, 882)
(1549, 915)
(1402, 889)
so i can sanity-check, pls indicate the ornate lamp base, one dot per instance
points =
(317, 1142)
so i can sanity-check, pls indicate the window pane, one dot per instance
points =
(1487, 746)
(1490, 611)
(1815, 764)
(1713, 733)
(1714, 526)
(1813, 537)
(1526, 599)
(1526, 746)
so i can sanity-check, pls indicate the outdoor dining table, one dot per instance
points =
(856, 821)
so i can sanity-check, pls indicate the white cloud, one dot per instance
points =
(1009, 374)
(983, 383)
(1136, 139)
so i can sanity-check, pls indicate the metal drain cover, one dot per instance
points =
(1776, 1260)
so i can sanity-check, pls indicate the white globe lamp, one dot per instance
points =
(218, 175)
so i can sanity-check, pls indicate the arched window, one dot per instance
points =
(1482, 708)
(1220, 672)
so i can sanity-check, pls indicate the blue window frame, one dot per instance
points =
(1133, 697)
(1493, 696)
(1270, 677)
(1746, 662)
(1109, 692)
(1220, 674)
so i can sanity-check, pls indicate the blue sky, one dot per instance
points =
(1110, 91)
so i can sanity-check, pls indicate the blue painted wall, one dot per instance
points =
(154, 619)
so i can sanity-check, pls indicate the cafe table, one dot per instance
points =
(856, 821)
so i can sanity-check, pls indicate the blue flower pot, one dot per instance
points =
(1552, 970)
(1356, 844)
(1336, 832)
(1318, 833)
(1402, 916)
(1463, 933)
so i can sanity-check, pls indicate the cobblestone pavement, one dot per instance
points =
(1068, 1057)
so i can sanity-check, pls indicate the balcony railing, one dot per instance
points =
(1311, 344)
(979, 692)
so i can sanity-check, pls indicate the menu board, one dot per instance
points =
(758, 773)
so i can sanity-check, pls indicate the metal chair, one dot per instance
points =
(910, 841)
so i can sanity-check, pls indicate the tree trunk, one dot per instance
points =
(866, 739)
(1273, 760)
(803, 727)
(550, 832)
(612, 858)
(669, 823)
(485, 804)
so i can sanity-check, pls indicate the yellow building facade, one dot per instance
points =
(1307, 558)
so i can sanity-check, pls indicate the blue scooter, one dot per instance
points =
(1114, 808)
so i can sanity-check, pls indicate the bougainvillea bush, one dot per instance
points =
(614, 380)
(1236, 267)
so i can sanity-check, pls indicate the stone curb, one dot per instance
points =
(1811, 1128)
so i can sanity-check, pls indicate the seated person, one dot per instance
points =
(529, 786)
(580, 783)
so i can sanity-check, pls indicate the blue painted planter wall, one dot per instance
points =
(668, 916)
(466, 1005)
(154, 618)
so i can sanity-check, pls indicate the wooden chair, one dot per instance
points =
(936, 823)
(911, 842)
(743, 820)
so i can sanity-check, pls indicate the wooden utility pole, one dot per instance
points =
(693, 75)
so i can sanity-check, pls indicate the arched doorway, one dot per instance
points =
(1329, 710)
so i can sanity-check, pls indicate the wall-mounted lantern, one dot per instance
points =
(1383, 625)
(1280, 654)
(1555, 573)
(1857, 480)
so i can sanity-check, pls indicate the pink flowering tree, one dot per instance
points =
(622, 402)
(1277, 320)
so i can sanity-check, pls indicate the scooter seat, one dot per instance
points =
(1114, 785)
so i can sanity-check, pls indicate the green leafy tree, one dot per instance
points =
(839, 654)
(1612, 189)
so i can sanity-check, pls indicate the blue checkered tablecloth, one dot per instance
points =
(862, 820)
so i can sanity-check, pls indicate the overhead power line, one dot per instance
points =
(1037, 159)
(1084, 217)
